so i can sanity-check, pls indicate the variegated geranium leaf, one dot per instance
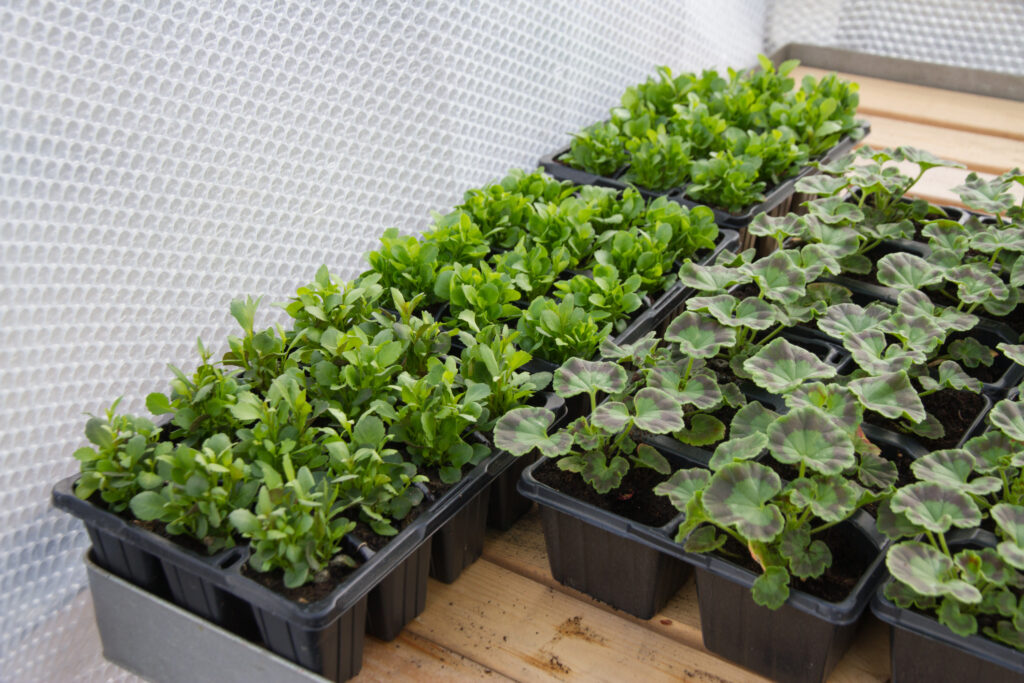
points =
(953, 467)
(889, 394)
(952, 376)
(899, 230)
(1014, 352)
(971, 352)
(657, 411)
(682, 485)
(834, 211)
(1017, 272)
(821, 184)
(739, 495)
(807, 558)
(634, 352)
(999, 308)
(779, 227)
(1008, 417)
(842, 241)
(755, 313)
(983, 195)
(649, 457)
(871, 352)
(903, 270)
(703, 430)
(831, 499)
(976, 283)
(1010, 519)
(928, 572)
(816, 259)
(710, 278)
(578, 376)
(700, 391)
(995, 239)
(808, 437)
(771, 589)
(936, 507)
(611, 417)
(751, 419)
(744, 448)
(521, 430)
(841, 320)
(778, 276)
(994, 451)
(917, 332)
(782, 366)
(699, 336)
(876, 472)
(929, 427)
(895, 525)
(833, 399)
(947, 235)
(603, 475)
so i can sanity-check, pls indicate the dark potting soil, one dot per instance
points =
(633, 499)
(954, 409)
(315, 590)
(985, 373)
(848, 565)
(160, 529)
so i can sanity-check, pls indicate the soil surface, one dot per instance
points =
(633, 499)
(849, 562)
(954, 409)
(310, 592)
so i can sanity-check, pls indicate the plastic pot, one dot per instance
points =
(923, 650)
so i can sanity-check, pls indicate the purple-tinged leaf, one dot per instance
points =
(521, 430)
(578, 376)
(808, 437)
(891, 395)
(1008, 417)
(903, 270)
(841, 320)
(739, 496)
(657, 412)
(928, 572)
(733, 450)
(682, 485)
(781, 366)
(953, 468)
(699, 336)
(935, 507)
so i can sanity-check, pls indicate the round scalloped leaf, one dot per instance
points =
(734, 450)
(710, 278)
(578, 376)
(832, 399)
(808, 436)
(1010, 519)
(611, 417)
(994, 239)
(699, 336)
(928, 572)
(650, 457)
(807, 558)
(907, 271)
(815, 259)
(764, 225)
(999, 308)
(771, 589)
(994, 450)
(821, 184)
(750, 419)
(953, 467)
(704, 430)
(1017, 272)
(872, 353)
(831, 499)
(876, 472)
(738, 495)
(950, 375)
(521, 430)
(778, 277)
(701, 390)
(657, 412)
(755, 314)
(844, 319)
(917, 332)
(781, 366)
(894, 525)
(843, 242)
(975, 283)
(682, 485)
(1008, 417)
(936, 507)
(834, 210)
(634, 352)
(890, 395)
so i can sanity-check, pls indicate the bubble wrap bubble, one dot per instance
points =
(978, 34)
(160, 157)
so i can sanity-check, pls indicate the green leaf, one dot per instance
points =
(831, 499)
(704, 430)
(1008, 417)
(739, 494)
(701, 391)
(649, 457)
(1010, 519)
(778, 277)
(751, 418)
(890, 394)
(903, 270)
(97, 431)
(935, 507)
(841, 320)
(682, 485)
(244, 521)
(158, 404)
(956, 620)
(657, 412)
(744, 448)
(710, 278)
(771, 589)
(807, 559)
(781, 366)
(928, 572)
(611, 416)
(521, 430)
(578, 376)
(953, 468)
(807, 436)
(147, 505)
(699, 336)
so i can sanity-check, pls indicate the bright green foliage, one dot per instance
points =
(608, 297)
(532, 270)
(557, 331)
(657, 160)
(598, 149)
(279, 425)
(476, 297)
(458, 239)
(202, 486)
(295, 526)
(493, 359)
(329, 303)
(407, 264)
(264, 355)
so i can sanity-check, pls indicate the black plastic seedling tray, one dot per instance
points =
(922, 650)
(325, 636)
(776, 198)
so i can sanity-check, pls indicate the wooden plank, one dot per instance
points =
(530, 632)
(934, 106)
(411, 657)
(521, 550)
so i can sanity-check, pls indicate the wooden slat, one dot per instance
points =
(412, 658)
(936, 107)
(521, 550)
(530, 632)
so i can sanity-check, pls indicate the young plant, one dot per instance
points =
(604, 294)
(434, 415)
(597, 148)
(658, 161)
(370, 476)
(477, 297)
(776, 522)
(640, 252)
(264, 355)
(295, 526)
(122, 460)
(458, 239)
(600, 446)
(532, 270)
(202, 487)
(330, 303)
(406, 264)
(557, 331)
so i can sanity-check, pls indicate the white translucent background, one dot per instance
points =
(160, 157)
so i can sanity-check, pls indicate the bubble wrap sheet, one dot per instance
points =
(977, 34)
(160, 157)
